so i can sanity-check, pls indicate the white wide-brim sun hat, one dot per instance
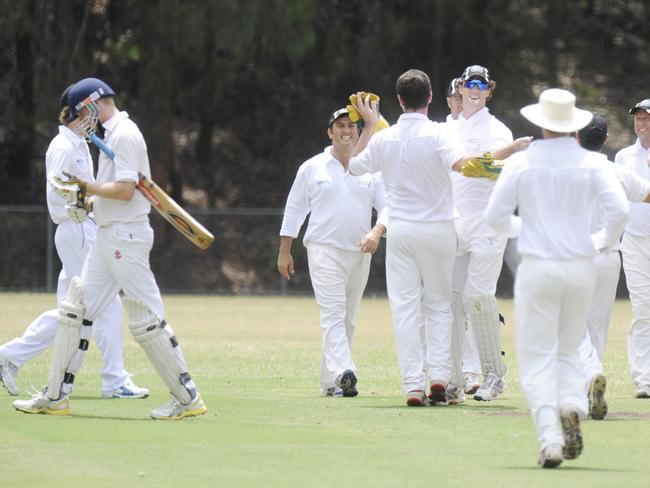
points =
(557, 112)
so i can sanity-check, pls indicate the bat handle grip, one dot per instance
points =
(102, 146)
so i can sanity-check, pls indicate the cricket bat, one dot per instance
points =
(165, 205)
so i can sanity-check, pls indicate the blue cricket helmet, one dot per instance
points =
(83, 89)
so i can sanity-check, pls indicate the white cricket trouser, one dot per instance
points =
(338, 278)
(419, 264)
(552, 300)
(73, 242)
(636, 263)
(119, 260)
(592, 346)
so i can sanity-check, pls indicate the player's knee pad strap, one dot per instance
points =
(457, 341)
(482, 310)
(71, 342)
(157, 339)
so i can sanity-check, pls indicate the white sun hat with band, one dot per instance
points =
(557, 112)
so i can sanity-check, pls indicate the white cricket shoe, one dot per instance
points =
(128, 390)
(596, 394)
(8, 375)
(40, 403)
(643, 391)
(551, 456)
(572, 435)
(490, 388)
(332, 391)
(175, 410)
(472, 382)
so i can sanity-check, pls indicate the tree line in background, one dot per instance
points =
(232, 96)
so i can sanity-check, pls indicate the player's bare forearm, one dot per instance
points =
(285, 260)
(116, 190)
(515, 146)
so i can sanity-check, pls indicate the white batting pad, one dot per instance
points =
(482, 310)
(157, 339)
(70, 343)
(457, 341)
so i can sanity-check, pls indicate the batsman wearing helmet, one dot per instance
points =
(119, 260)
(75, 233)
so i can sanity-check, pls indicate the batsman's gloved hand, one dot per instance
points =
(356, 117)
(70, 191)
(482, 167)
(76, 212)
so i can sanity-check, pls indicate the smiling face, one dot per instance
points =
(475, 95)
(642, 127)
(343, 133)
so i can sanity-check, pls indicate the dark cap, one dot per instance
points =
(453, 86)
(337, 115)
(594, 135)
(476, 70)
(642, 105)
(63, 99)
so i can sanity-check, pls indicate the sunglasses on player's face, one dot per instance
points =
(481, 85)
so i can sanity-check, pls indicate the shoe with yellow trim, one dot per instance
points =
(175, 410)
(40, 403)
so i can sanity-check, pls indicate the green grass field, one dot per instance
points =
(256, 362)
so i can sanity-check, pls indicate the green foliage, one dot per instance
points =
(233, 95)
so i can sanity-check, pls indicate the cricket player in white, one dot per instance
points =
(555, 183)
(416, 157)
(635, 248)
(119, 260)
(608, 268)
(480, 250)
(339, 244)
(75, 234)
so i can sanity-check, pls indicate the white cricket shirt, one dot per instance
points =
(126, 140)
(635, 187)
(480, 133)
(635, 157)
(557, 185)
(339, 202)
(67, 152)
(415, 157)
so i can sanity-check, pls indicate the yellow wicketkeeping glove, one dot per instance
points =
(355, 117)
(483, 167)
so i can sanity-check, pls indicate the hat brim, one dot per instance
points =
(638, 109)
(579, 119)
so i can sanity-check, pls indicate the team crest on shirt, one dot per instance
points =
(118, 254)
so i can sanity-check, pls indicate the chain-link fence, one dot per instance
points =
(242, 259)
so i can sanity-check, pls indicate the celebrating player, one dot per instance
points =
(119, 260)
(415, 157)
(555, 183)
(636, 254)
(339, 244)
(608, 268)
(75, 234)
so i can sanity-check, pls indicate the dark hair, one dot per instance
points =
(414, 88)
(594, 135)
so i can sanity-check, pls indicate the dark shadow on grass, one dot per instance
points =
(488, 409)
(86, 398)
(565, 467)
